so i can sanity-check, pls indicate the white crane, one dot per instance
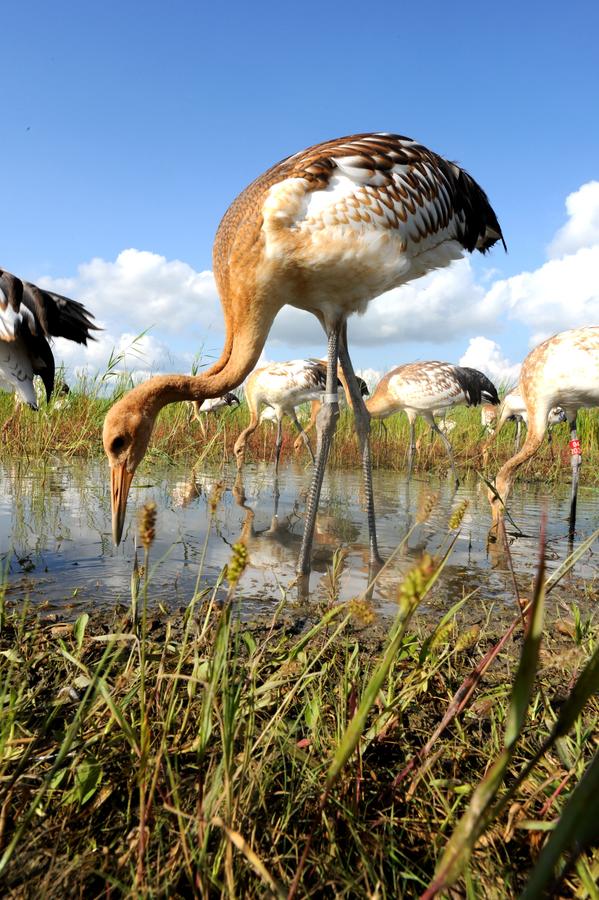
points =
(426, 388)
(562, 371)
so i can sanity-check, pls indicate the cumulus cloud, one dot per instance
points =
(486, 356)
(582, 227)
(142, 289)
(563, 292)
(136, 292)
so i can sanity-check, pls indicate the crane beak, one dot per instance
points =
(120, 482)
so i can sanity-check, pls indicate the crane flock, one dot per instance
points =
(325, 230)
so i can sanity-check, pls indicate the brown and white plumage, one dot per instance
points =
(29, 318)
(429, 388)
(281, 387)
(325, 230)
(562, 372)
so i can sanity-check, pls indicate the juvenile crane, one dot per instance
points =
(281, 387)
(513, 409)
(425, 388)
(29, 318)
(562, 371)
(325, 230)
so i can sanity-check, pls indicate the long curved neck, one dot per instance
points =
(236, 362)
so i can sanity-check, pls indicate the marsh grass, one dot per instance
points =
(76, 430)
(329, 755)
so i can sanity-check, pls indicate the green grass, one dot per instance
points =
(203, 756)
(76, 430)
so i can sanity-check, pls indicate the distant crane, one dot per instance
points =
(29, 318)
(425, 388)
(326, 230)
(562, 371)
(513, 409)
(200, 410)
(281, 387)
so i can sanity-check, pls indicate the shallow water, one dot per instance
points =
(56, 545)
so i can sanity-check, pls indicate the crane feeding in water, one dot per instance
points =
(562, 371)
(326, 230)
(513, 409)
(426, 388)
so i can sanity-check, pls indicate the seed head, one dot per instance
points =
(237, 563)
(427, 504)
(362, 610)
(458, 514)
(215, 495)
(147, 525)
(415, 584)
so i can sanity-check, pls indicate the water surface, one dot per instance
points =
(56, 545)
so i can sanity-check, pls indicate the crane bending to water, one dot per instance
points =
(562, 371)
(326, 230)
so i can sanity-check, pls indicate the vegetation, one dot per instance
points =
(75, 429)
(329, 756)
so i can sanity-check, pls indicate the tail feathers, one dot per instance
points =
(319, 373)
(476, 386)
(363, 386)
(480, 227)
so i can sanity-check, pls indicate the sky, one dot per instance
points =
(128, 128)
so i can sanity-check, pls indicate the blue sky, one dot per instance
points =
(133, 126)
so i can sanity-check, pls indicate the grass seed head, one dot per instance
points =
(426, 506)
(362, 611)
(237, 563)
(215, 496)
(458, 514)
(414, 585)
(147, 525)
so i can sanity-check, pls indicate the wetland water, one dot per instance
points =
(56, 547)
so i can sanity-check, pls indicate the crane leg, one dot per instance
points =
(518, 431)
(576, 460)
(325, 424)
(303, 436)
(449, 452)
(278, 445)
(411, 449)
(362, 418)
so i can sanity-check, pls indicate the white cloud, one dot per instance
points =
(142, 289)
(582, 227)
(486, 356)
(563, 292)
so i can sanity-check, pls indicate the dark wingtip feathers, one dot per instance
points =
(476, 386)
